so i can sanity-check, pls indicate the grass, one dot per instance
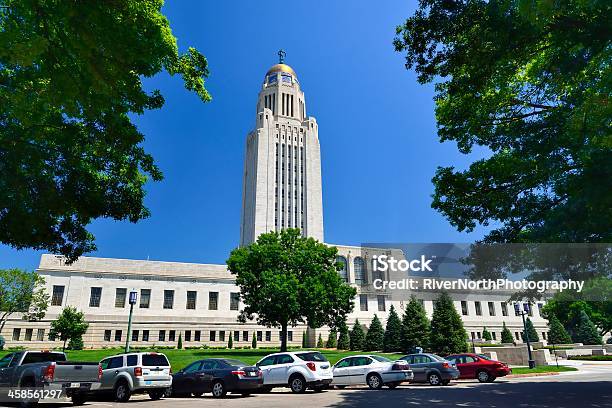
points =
(607, 357)
(542, 369)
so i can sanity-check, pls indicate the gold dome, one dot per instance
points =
(281, 68)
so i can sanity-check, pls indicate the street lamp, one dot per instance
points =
(522, 313)
(132, 301)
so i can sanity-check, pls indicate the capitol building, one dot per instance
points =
(282, 188)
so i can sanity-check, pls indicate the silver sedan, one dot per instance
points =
(373, 370)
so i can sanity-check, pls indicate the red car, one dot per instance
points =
(479, 366)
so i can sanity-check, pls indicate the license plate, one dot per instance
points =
(75, 385)
(251, 374)
(148, 382)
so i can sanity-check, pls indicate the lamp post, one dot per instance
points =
(522, 313)
(132, 300)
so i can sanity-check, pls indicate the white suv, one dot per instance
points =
(296, 370)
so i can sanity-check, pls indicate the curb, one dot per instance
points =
(531, 375)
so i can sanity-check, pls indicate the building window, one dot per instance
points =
(530, 311)
(540, 306)
(360, 272)
(268, 335)
(478, 308)
(212, 336)
(168, 299)
(221, 335)
(236, 335)
(145, 298)
(107, 335)
(517, 335)
(494, 335)
(94, 297)
(473, 335)
(381, 303)
(491, 309)
(464, 308)
(363, 303)
(213, 300)
(344, 271)
(162, 335)
(245, 335)
(192, 296)
(196, 335)
(58, 295)
(145, 335)
(234, 300)
(259, 335)
(118, 335)
(544, 335)
(135, 334)
(504, 307)
(289, 335)
(171, 335)
(28, 334)
(478, 333)
(188, 335)
(40, 335)
(120, 294)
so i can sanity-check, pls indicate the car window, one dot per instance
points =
(267, 361)
(104, 363)
(421, 359)
(193, 367)
(232, 362)
(132, 360)
(344, 363)
(284, 359)
(116, 362)
(433, 357)
(408, 359)
(6, 360)
(43, 357)
(211, 365)
(381, 359)
(485, 357)
(452, 359)
(154, 360)
(311, 356)
(361, 361)
(469, 359)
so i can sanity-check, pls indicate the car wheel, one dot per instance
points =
(374, 381)
(122, 391)
(483, 376)
(29, 404)
(434, 379)
(393, 385)
(297, 384)
(78, 399)
(218, 389)
(156, 394)
(492, 378)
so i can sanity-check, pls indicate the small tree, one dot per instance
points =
(332, 339)
(344, 342)
(22, 292)
(586, 331)
(75, 344)
(357, 336)
(320, 343)
(506, 335)
(254, 341)
(486, 335)
(69, 325)
(415, 326)
(179, 345)
(393, 332)
(533, 334)
(375, 338)
(556, 332)
(447, 333)
(230, 341)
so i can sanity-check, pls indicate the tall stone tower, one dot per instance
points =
(282, 166)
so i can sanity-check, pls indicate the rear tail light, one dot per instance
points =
(259, 373)
(238, 372)
(445, 365)
(49, 372)
(138, 371)
(311, 366)
(99, 372)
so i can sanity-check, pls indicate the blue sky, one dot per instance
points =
(376, 127)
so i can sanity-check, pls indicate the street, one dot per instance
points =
(591, 386)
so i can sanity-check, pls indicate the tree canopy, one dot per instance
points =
(286, 279)
(70, 82)
(447, 332)
(22, 292)
(415, 326)
(528, 82)
(69, 325)
(393, 332)
(375, 337)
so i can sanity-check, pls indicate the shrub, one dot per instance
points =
(357, 336)
(375, 338)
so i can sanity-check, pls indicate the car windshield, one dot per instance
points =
(237, 363)
(436, 357)
(381, 359)
(312, 356)
(154, 360)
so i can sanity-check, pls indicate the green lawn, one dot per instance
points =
(542, 369)
(180, 358)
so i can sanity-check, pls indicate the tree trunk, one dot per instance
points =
(283, 337)
(64, 346)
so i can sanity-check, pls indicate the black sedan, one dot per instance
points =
(216, 375)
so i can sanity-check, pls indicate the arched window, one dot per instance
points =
(344, 271)
(360, 270)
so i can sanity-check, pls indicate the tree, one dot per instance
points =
(585, 331)
(415, 326)
(393, 332)
(447, 333)
(506, 335)
(254, 341)
(375, 337)
(344, 342)
(332, 339)
(179, 345)
(22, 292)
(533, 334)
(69, 325)
(556, 332)
(320, 343)
(70, 82)
(230, 341)
(486, 335)
(528, 82)
(286, 279)
(76, 344)
(357, 336)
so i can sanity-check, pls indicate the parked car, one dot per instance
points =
(479, 366)
(431, 368)
(132, 373)
(373, 370)
(296, 370)
(49, 370)
(216, 375)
